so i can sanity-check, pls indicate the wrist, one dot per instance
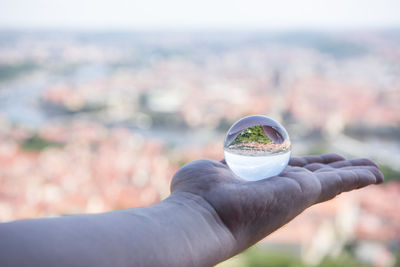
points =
(209, 237)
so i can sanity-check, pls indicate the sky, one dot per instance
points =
(188, 14)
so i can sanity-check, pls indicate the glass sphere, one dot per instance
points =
(257, 147)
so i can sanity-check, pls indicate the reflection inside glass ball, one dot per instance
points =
(257, 147)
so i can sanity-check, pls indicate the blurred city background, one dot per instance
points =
(99, 118)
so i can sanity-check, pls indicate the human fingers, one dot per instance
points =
(323, 159)
(375, 170)
(317, 166)
(346, 164)
(353, 162)
(335, 182)
(340, 164)
(378, 174)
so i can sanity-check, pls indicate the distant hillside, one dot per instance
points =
(252, 134)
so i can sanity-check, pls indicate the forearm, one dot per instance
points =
(180, 231)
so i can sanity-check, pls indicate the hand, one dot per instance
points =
(253, 210)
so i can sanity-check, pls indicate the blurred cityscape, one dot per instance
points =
(97, 121)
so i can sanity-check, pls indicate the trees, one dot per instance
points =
(252, 134)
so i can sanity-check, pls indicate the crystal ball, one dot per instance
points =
(257, 147)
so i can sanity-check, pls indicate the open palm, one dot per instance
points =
(252, 210)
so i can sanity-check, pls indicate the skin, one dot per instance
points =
(211, 215)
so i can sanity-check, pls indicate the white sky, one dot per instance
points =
(186, 14)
